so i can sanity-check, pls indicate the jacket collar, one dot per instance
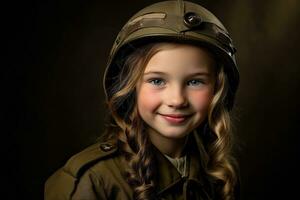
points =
(168, 176)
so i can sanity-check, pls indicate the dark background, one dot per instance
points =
(53, 98)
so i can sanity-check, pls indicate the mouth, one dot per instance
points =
(175, 118)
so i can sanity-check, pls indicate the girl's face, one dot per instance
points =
(175, 91)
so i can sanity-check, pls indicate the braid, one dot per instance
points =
(142, 162)
(137, 148)
(139, 155)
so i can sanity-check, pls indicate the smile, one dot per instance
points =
(175, 118)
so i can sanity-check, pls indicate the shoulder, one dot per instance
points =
(78, 163)
(62, 184)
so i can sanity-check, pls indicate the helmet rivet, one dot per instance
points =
(192, 20)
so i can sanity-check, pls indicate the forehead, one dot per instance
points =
(181, 57)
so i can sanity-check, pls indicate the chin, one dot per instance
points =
(174, 134)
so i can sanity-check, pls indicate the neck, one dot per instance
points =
(172, 147)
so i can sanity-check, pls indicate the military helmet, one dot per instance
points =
(174, 21)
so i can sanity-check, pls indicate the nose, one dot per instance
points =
(176, 98)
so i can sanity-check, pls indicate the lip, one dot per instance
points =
(175, 118)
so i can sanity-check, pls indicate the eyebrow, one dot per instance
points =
(155, 72)
(163, 73)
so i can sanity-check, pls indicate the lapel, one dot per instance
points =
(169, 177)
(198, 159)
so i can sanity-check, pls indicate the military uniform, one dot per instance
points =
(97, 173)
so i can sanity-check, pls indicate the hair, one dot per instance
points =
(222, 165)
(128, 127)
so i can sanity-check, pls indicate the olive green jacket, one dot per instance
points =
(96, 173)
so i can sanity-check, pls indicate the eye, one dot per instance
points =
(157, 82)
(195, 82)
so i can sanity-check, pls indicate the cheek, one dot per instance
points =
(200, 100)
(147, 100)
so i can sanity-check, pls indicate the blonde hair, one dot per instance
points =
(222, 165)
(125, 121)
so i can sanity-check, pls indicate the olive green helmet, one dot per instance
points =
(174, 21)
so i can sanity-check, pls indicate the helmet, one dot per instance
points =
(174, 21)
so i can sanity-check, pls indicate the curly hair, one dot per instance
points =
(222, 165)
(126, 124)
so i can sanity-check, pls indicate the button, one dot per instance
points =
(192, 20)
(106, 147)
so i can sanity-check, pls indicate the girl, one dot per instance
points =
(170, 84)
